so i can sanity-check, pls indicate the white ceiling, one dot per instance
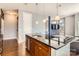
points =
(44, 8)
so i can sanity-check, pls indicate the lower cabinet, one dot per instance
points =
(32, 47)
(38, 48)
(39, 51)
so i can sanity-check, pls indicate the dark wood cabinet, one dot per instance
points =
(42, 49)
(32, 47)
(38, 48)
(27, 43)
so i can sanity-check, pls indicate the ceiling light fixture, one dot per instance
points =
(36, 22)
(57, 17)
(44, 21)
(44, 11)
(36, 8)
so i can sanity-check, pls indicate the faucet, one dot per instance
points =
(58, 41)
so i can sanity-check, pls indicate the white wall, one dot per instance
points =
(27, 18)
(70, 25)
(20, 26)
(76, 24)
(10, 26)
(24, 25)
(40, 27)
(2, 26)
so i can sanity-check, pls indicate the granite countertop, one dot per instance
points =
(53, 43)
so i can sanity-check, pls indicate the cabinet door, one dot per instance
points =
(39, 51)
(32, 47)
(42, 50)
(28, 43)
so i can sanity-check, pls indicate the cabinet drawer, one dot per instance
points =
(47, 48)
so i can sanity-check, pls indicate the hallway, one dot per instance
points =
(11, 48)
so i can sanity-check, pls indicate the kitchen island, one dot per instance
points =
(40, 46)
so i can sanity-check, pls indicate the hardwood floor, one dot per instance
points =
(12, 48)
(22, 50)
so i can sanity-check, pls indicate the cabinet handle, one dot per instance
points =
(39, 47)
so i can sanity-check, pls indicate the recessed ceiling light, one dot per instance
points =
(44, 21)
(36, 22)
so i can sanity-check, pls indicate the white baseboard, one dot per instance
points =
(20, 41)
(9, 38)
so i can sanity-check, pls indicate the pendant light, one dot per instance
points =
(57, 17)
(36, 22)
(44, 12)
(36, 7)
(44, 21)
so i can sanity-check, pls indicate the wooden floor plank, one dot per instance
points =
(12, 48)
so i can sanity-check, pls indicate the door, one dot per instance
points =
(41, 49)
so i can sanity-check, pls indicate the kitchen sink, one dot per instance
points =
(37, 35)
